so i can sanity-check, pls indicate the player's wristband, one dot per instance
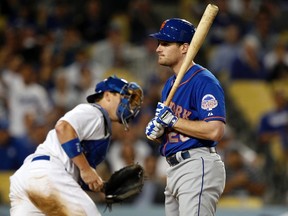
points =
(72, 148)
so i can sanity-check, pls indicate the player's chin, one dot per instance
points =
(161, 61)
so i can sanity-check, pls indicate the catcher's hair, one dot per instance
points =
(100, 96)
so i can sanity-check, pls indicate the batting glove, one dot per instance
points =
(158, 108)
(154, 130)
(166, 117)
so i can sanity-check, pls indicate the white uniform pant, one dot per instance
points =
(195, 185)
(43, 187)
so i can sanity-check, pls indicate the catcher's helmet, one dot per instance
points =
(132, 97)
(113, 84)
(175, 30)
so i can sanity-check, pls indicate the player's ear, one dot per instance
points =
(184, 48)
(107, 96)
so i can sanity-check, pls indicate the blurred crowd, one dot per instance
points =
(53, 52)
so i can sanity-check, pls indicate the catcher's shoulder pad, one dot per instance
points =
(124, 183)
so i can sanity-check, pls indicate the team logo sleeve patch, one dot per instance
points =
(209, 102)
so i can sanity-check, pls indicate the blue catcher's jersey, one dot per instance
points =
(198, 97)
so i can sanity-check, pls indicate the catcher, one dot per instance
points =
(48, 181)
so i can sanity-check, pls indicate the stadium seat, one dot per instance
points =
(249, 202)
(252, 98)
(4, 186)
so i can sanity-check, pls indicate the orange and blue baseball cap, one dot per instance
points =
(175, 30)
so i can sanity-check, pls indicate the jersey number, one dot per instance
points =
(174, 137)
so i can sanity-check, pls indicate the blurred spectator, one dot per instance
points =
(30, 48)
(274, 124)
(273, 146)
(278, 10)
(22, 15)
(142, 60)
(262, 29)
(86, 80)
(64, 97)
(143, 20)
(12, 150)
(114, 46)
(276, 61)
(10, 75)
(82, 63)
(10, 40)
(9, 78)
(249, 63)
(72, 43)
(161, 169)
(153, 189)
(109, 45)
(60, 16)
(221, 21)
(92, 21)
(230, 141)
(279, 72)
(152, 93)
(28, 102)
(245, 10)
(222, 55)
(241, 179)
(46, 74)
(244, 168)
(127, 149)
(3, 103)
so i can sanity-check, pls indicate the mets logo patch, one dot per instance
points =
(209, 102)
(163, 24)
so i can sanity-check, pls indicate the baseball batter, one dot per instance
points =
(49, 182)
(189, 128)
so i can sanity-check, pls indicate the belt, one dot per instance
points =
(41, 157)
(172, 160)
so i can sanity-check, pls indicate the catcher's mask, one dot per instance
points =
(131, 97)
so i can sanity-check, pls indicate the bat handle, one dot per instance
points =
(154, 140)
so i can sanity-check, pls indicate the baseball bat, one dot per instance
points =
(195, 44)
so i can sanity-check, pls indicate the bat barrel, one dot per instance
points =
(195, 44)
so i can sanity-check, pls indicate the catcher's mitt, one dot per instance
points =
(123, 184)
